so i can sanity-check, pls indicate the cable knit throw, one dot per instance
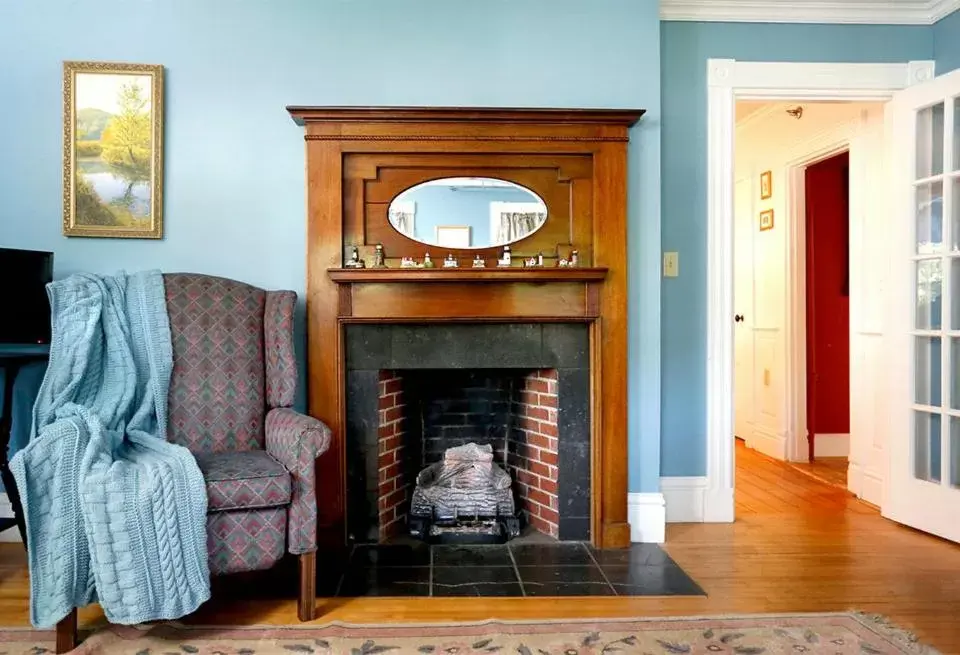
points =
(114, 512)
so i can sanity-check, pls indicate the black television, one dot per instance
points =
(25, 313)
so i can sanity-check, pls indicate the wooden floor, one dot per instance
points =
(832, 470)
(797, 545)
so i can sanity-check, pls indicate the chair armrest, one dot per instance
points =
(296, 441)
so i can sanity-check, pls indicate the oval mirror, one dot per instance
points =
(467, 212)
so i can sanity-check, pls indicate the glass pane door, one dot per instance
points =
(936, 334)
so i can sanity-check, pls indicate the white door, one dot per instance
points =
(743, 227)
(923, 312)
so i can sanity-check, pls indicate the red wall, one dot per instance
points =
(828, 301)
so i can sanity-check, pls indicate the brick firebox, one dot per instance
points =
(422, 413)
(414, 390)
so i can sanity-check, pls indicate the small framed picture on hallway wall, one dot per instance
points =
(766, 185)
(766, 220)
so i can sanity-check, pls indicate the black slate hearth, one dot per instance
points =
(512, 570)
(436, 350)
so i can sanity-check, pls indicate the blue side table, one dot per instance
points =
(12, 359)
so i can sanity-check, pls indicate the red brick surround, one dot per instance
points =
(524, 405)
(533, 459)
(394, 486)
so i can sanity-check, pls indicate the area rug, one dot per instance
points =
(809, 634)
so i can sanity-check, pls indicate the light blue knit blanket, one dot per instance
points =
(114, 512)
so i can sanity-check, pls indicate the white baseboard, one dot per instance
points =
(718, 506)
(690, 500)
(684, 497)
(831, 445)
(865, 484)
(646, 514)
(771, 445)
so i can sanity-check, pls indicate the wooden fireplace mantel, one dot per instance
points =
(360, 158)
(384, 275)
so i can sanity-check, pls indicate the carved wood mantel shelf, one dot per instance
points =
(383, 275)
(359, 159)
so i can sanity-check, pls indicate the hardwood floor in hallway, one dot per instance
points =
(797, 545)
(832, 470)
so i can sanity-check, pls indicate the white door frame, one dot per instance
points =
(795, 320)
(729, 80)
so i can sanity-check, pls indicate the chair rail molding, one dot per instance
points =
(727, 81)
(875, 12)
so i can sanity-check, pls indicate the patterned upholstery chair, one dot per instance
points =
(234, 380)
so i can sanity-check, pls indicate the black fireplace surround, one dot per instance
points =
(438, 349)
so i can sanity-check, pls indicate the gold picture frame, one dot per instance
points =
(112, 150)
(766, 220)
(766, 185)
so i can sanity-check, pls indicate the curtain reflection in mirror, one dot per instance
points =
(512, 221)
(402, 215)
(516, 225)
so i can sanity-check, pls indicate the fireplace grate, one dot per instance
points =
(464, 498)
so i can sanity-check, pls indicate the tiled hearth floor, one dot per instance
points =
(518, 569)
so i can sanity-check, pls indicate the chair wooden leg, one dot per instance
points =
(306, 604)
(67, 633)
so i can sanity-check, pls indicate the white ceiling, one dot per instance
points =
(747, 108)
(893, 12)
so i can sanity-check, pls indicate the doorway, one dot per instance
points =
(729, 81)
(792, 361)
(908, 412)
(827, 261)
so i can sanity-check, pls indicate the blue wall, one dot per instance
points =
(234, 185)
(685, 48)
(439, 205)
(234, 159)
(946, 43)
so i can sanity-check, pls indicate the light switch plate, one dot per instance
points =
(671, 264)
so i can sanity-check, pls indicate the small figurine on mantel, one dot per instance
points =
(427, 262)
(479, 262)
(408, 262)
(450, 262)
(505, 260)
(574, 258)
(530, 262)
(355, 261)
(379, 261)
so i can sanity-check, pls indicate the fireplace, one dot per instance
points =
(414, 391)
(359, 160)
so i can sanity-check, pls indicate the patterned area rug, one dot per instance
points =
(811, 634)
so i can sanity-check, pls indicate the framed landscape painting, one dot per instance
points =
(112, 150)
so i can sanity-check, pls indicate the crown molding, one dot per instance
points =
(877, 12)
(943, 8)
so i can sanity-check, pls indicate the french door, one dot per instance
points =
(923, 307)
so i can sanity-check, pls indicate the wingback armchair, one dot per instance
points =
(233, 383)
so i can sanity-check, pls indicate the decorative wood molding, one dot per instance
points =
(621, 117)
(359, 158)
(876, 12)
(385, 275)
(436, 137)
